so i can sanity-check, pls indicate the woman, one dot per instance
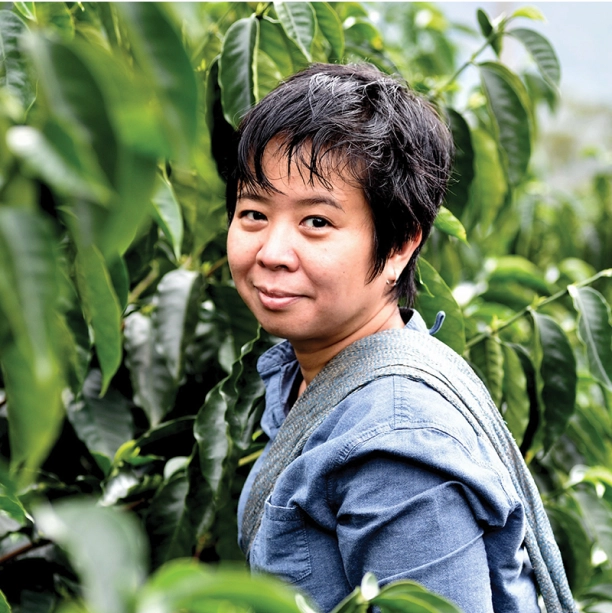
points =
(382, 453)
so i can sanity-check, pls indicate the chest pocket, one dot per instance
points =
(281, 544)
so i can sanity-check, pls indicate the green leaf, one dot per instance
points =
(440, 298)
(330, 25)
(103, 424)
(516, 407)
(4, 605)
(33, 377)
(505, 95)
(557, 376)
(167, 214)
(298, 21)
(541, 51)
(595, 331)
(178, 298)
(163, 59)
(530, 12)
(10, 505)
(268, 74)
(446, 222)
(13, 67)
(517, 269)
(27, 9)
(488, 358)
(102, 310)
(463, 164)
(274, 42)
(238, 69)
(153, 385)
(60, 160)
(106, 548)
(57, 17)
(484, 23)
(598, 518)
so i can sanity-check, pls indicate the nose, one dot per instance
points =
(277, 250)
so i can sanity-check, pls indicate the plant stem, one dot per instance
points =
(536, 305)
(29, 547)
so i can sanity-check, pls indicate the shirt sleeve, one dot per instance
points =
(401, 520)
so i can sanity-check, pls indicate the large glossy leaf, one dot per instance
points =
(463, 164)
(434, 297)
(516, 398)
(274, 42)
(595, 331)
(446, 222)
(13, 70)
(488, 358)
(178, 297)
(298, 21)
(516, 269)
(154, 387)
(102, 310)
(598, 518)
(33, 377)
(511, 116)
(167, 214)
(557, 378)
(238, 69)
(542, 52)
(162, 56)
(106, 548)
(103, 424)
(268, 75)
(330, 25)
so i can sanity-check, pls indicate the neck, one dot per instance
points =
(313, 356)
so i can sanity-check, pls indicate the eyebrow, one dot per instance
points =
(261, 197)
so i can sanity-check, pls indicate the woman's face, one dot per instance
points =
(301, 259)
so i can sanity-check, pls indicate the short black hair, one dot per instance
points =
(367, 126)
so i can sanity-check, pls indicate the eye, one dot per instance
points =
(316, 222)
(252, 215)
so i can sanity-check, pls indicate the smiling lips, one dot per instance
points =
(275, 300)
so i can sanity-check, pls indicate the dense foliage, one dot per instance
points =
(128, 360)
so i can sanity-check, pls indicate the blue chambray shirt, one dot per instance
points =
(395, 482)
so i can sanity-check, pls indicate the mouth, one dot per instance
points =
(274, 299)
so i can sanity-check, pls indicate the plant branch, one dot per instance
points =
(536, 305)
(21, 550)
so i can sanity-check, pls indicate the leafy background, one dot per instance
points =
(129, 399)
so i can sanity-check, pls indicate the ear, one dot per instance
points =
(399, 259)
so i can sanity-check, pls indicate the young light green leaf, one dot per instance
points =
(463, 164)
(163, 59)
(541, 51)
(557, 377)
(595, 331)
(530, 12)
(167, 214)
(516, 406)
(178, 297)
(102, 310)
(440, 298)
(106, 548)
(298, 21)
(446, 222)
(488, 358)
(13, 69)
(103, 424)
(511, 117)
(330, 25)
(154, 387)
(27, 9)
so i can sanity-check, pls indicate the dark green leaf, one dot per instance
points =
(330, 25)
(163, 58)
(103, 424)
(102, 310)
(106, 547)
(178, 299)
(167, 214)
(57, 17)
(542, 52)
(484, 22)
(4, 605)
(446, 222)
(595, 331)
(153, 385)
(238, 69)
(13, 69)
(438, 297)
(516, 407)
(557, 376)
(120, 278)
(298, 21)
(488, 358)
(274, 42)
(463, 164)
(511, 115)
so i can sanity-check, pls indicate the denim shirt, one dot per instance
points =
(395, 482)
